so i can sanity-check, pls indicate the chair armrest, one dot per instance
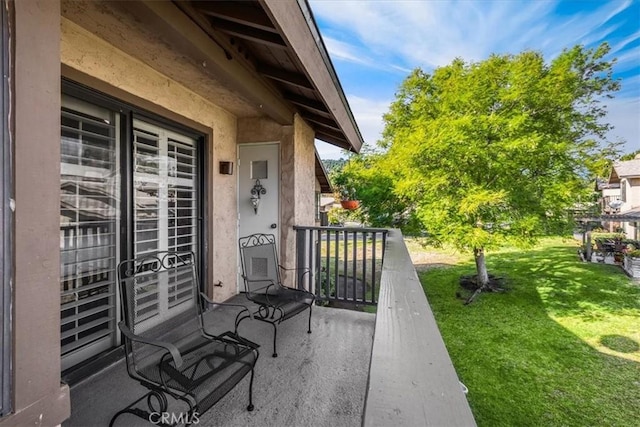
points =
(304, 291)
(292, 268)
(226, 304)
(175, 353)
(307, 270)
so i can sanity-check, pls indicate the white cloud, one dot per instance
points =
(368, 114)
(404, 34)
(432, 33)
(345, 51)
(622, 44)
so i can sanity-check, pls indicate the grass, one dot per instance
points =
(560, 348)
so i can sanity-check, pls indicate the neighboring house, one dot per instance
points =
(608, 202)
(626, 175)
(323, 186)
(130, 127)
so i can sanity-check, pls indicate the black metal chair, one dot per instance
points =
(601, 251)
(169, 349)
(263, 285)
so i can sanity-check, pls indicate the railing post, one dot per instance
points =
(300, 257)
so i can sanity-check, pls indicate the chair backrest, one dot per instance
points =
(259, 262)
(159, 296)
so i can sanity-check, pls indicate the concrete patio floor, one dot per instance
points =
(318, 379)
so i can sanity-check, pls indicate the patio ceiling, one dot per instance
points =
(281, 42)
(253, 58)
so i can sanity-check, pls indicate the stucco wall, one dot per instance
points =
(298, 183)
(305, 172)
(84, 52)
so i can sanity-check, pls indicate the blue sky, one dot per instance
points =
(374, 44)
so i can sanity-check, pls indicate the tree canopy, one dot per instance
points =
(490, 152)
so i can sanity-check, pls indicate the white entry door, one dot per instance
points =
(259, 170)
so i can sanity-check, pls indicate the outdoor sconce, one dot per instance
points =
(257, 191)
(226, 168)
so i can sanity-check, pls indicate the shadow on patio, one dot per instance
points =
(317, 379)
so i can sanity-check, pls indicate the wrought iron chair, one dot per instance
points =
(169, 349)
(601, 251)
(263, 285)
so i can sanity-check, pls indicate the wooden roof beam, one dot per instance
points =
(339, 142)
(307, 103)
(295, 79)
(248, 33)
(239, 12)
(321, 121)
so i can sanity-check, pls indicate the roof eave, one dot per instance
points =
(322, 176)
(298, 28)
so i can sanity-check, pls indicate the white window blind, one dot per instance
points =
(165, 217)
(88, 224)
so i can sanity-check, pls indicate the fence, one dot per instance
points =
(341, 264)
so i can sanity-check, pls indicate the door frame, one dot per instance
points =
(6, 211)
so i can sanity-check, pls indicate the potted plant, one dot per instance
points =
(345, 190)
(347, 198)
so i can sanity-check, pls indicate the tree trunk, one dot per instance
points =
(482, 279)
(481, 267)
(587, 245)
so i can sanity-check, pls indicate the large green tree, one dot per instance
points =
(494, 152)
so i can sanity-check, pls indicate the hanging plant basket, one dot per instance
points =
(350, 204)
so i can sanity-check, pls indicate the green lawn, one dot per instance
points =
(560, 348)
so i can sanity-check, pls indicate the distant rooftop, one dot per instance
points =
(625, 169)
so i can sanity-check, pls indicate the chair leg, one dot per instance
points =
(310, 308)
(250, 407)
(240, 318)
(145, 415)
(275, 334)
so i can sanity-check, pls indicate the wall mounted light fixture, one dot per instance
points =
(226, 168)
(257, 191)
